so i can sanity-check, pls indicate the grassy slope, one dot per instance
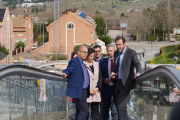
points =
(107, 4)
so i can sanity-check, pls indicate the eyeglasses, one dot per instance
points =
(97, 51)
(84, 52)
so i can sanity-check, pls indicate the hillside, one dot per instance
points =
(103, 3)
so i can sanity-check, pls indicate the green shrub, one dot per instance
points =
(40, 39)
(58, 57)
(4, 50)
(167, 49)
(157, 60)
(20, 44)
(63, 57)
(177, 53)
(167, 53)
(177, 47)
(106, 39)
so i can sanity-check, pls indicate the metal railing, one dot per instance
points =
(22, 98)
(152, 96)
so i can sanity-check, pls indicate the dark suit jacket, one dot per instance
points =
(129, 61)
(75, 74)
(105, 74)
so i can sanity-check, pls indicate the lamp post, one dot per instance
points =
(43, 39)
(175, 58)
(163, 31)
(43, 42)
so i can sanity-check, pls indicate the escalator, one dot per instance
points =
(21, 97)
(151, 99)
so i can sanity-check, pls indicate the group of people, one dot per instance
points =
(93, 79)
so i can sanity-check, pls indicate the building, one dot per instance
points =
(76, 28)
(23, 31)
(6, 29)
(29, 4)
(27, 0)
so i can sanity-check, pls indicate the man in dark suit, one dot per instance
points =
(125, 59)
(78, 82)
(107, 92)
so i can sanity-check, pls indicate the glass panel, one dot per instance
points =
(153, 99)
(19, 96)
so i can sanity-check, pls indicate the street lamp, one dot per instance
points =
(175, 57)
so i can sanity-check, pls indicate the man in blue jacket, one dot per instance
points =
(78, 82)
(106, 65)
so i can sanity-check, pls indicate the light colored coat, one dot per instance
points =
(94, 77)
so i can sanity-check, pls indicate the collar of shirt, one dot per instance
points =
(81, 60)
(110, 58)
(124, 51)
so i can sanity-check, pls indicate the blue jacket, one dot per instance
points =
(75, 75)
(105, 74)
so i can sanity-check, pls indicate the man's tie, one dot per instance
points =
(118, 63)
(112, 80)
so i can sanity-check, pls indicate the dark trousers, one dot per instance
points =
(107, 103)
(94, 110)
(121, 95)
(82, 108)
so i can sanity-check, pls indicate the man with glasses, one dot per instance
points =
(78, 82)
(98, 53)
(97, 58)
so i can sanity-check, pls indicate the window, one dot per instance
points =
(70, 26)
(20, 33)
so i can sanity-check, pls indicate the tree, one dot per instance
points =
(100, 25)
(40, 39)
(20, 43)
(4, 50)
(106, 39)
(122, 15)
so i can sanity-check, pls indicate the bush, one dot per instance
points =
(58, 57)
(106, 39)
(177, 53)
(167, 53)
(4, 50)
(167, 49)
(154, 37)
(157, 60)
(20, 44)
(77, 46)
(40, 39)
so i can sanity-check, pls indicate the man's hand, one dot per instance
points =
(64, 75)
(113, 75)
(137, 75)
(107, 80)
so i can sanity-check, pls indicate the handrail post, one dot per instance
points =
(25, 95)
(36, 103)
(9, 85)
(36, 84)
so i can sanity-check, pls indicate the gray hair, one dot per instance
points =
(110, 45)
(81, 47)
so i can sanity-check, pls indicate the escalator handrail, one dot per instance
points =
(161, 71)
(22, 70)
